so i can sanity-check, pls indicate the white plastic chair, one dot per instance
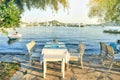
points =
(78, 56)
(32, 55)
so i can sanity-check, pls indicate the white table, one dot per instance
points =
(55, 52)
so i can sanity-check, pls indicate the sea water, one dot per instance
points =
(71, 36)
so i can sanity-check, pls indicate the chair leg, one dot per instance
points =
(81, 62)
(111, 64)
(30, 62)
(70, 65)
(102, 61)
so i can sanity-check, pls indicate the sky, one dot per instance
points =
(77, 13)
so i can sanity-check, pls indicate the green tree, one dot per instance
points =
(9, 15)
(42, 4)
(10, 10)
(107, 10)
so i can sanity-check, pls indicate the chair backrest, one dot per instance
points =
(118, 41)
(30, 45)
(110, 54)
(114, 46)
(33, 43)
(103, 49)
(82, 48)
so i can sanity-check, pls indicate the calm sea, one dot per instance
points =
(89, 35)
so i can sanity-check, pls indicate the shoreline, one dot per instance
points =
(93, 54)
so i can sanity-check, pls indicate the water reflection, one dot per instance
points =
(11, 41)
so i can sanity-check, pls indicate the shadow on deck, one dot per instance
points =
(92, 70)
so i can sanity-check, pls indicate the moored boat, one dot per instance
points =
(14, 36)
(112, 31)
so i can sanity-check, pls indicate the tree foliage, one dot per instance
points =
(42, 4)
(10, 10)
(108, 10)
(9, 15)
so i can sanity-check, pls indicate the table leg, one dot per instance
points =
(44, 69)
(63, 67)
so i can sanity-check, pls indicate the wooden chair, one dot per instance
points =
(32, 55)
(103, 49)
(78, 56)
(103, 52)
(111, 56)
(110, 59)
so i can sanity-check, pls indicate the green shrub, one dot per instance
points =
(8, 69)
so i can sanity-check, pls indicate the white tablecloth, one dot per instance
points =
(51, 51)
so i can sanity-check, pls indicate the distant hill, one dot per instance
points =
(51, 23)
(58, 23)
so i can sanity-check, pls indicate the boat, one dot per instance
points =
(112, 31)
(14, 36)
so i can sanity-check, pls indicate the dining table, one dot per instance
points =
(55, 52)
